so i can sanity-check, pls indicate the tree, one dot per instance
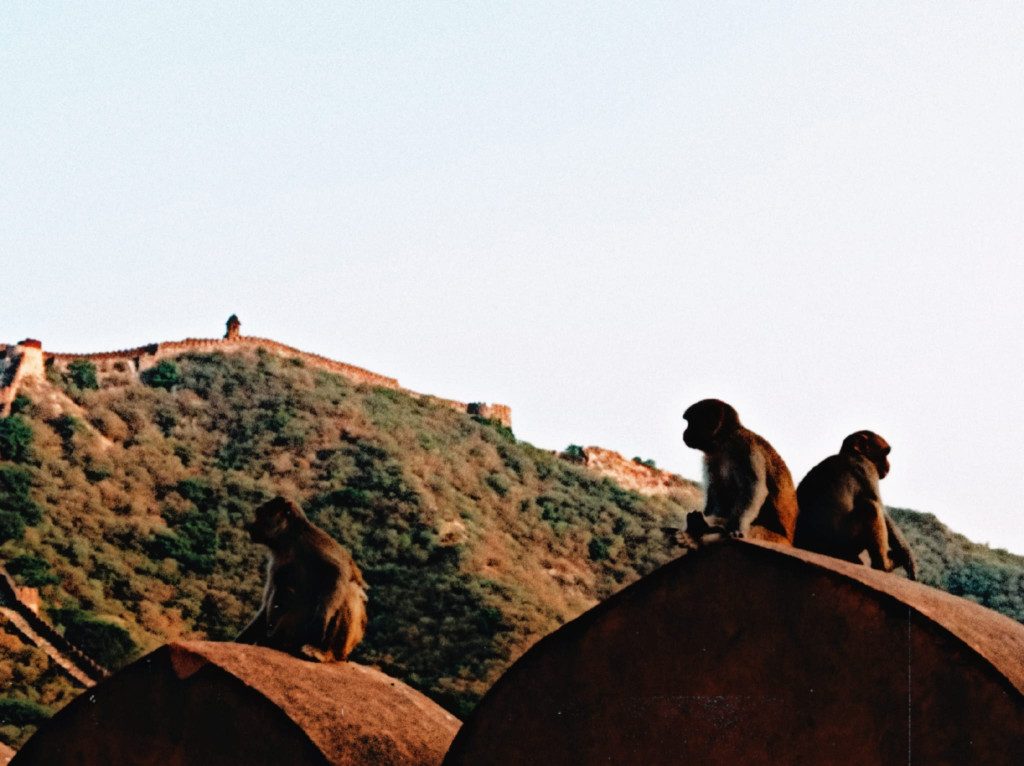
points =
(12, 526)
(18, 712)
(575, 454)
(15, 439)
(164, 375)
(32, 570)
(83, 374)
(106, 642)
(16, 499)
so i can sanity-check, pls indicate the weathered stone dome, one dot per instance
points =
(206, 704)
(749, 653)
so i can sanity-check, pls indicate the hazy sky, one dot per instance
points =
(595, 212)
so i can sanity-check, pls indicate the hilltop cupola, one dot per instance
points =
(233, 328)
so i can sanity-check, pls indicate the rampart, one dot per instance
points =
(28, 358)
(144, 357)
(17, 363)
(80, 667)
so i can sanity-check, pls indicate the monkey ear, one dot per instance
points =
(292, 509)
(866, 443)
(285, 506)
(857, 443)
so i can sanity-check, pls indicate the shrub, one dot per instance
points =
(574, 454)
(106, 642)
(597, 548)
(67, 426)
(164, 375)
(649, 463)
(32, 570)
(15, 485)
(15, 482)
(16, 712)
(83, 374)
(498, 483)
(21, 404)
(15, 439)
(12, 526)
(192, 542)
(498, 426)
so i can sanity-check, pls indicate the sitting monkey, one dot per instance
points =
(749, 488)
(314, 603)
(841, 512)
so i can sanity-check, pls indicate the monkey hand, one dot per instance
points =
(696, 524)
(314, 654)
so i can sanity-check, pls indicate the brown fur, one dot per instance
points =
(314, 604)
(749, 488)
(841, 511)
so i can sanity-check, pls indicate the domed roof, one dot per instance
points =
(749, 652)
(221, 703)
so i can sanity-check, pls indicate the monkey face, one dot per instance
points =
(870, 445)
(707, 422)
(272, 521)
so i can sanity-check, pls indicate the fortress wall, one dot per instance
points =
(500, 412)
(146, 356)
(128, 354)
(12, 596)
(357, 374)
(142, 358)
(25, 361)
(8, 369)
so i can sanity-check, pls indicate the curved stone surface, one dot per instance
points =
(205, 704)
(747, 653)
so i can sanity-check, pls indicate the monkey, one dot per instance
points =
(841, 511)
(749, 488)
(314, 600)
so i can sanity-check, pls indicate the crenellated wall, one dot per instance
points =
(28, 358)
(20, 606)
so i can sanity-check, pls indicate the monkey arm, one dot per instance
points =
(752, 497)
(256, 630)
(869, 515)
(899, 549)
(330, 604)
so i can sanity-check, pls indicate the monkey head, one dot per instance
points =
(708, 422)
(274, 519)
(870, 445)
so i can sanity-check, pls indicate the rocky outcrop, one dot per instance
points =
(641, 478)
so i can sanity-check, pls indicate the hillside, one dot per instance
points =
(474, 544)
(122, 499)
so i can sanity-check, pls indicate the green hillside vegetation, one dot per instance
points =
(31, 688)
(123, 502)
(126, 510)
(991, 577)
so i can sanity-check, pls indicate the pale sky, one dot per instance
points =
(597, 213)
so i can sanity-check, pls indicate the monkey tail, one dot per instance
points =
(354, 629)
